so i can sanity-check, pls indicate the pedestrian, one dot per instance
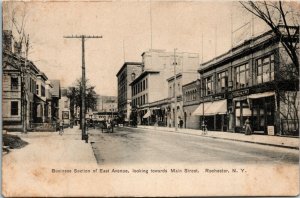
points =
(181, 123)
(61, 127)
(247, 126)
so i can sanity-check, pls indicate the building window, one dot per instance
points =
(144, 85)
(242, 76)
(173, 91)
(42, 91)
(37, 89)
(208, 86)
(265, 69)
(66, 104)
(14, 83)
(132, 76)
(222, 81)
(14, 108)
(144, 99)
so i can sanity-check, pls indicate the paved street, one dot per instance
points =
(130, 145)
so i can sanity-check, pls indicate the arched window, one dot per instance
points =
(133, 76)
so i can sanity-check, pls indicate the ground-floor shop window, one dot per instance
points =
(242, 112)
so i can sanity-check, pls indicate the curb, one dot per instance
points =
(213, 137)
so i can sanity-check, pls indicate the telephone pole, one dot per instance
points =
(175, 90)
(84, 135)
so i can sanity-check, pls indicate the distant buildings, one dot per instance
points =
(64, 107)
(153, 90)
(254, 80)
(128, 72)
(107, 108)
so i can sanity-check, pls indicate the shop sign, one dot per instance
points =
(207, 99)
(271, 130)
(219, 97)
(240, 93)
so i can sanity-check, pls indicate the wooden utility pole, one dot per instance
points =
(84, 135)
(175, 90)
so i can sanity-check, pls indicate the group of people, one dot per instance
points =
(246, 127)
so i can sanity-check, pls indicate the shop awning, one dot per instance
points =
(261, 95)
(147, 114)
(199, 110)
(217, 107)
(212, 108)
(246, 112)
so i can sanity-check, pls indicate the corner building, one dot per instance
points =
(255, 80)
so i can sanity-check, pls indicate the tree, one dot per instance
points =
(74, 94)
(283, 20)
(284, 14)
(21, 41)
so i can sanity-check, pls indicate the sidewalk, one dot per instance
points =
(286, 142)
(25, 170)
(66, 148)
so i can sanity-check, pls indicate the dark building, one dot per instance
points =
(254, 80)
(128, 72)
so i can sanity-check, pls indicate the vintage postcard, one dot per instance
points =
(150, 98)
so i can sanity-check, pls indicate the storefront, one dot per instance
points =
(214, 113)
(259, 108)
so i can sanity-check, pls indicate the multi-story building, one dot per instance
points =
(64, 107)
(107, 103)
(150, 91)
(55, 95)
(191, 101)
(48, 111)
(41, 104)
(24, 98)
(181, 79)
(255, 80)
(128, 72)
(107, 108)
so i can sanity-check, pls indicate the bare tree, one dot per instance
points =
(283, 19)
(21, 41)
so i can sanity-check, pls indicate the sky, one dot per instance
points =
(126, 30)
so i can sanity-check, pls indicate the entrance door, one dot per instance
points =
(219, 122)
(270, 111)
(258, 119)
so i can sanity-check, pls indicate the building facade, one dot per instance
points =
(64, 107)
(107, 108)
(128, 72)
(24, 90)
(191, 101)
(254, 80)
(56, 96)
(151, 95)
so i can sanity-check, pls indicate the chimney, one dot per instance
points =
(7, 40)
(18, 48)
